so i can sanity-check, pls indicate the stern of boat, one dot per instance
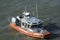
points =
(47, 35)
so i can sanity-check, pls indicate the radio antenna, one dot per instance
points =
(36, 10)
(33, 13)
(25, 9)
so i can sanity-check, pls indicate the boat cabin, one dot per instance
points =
(29, 21)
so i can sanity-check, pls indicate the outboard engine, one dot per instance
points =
(18, 17)
(18, 21)
(13, 19)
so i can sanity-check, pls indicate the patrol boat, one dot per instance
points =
(29, 25)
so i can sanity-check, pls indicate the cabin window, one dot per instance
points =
(22, 23)
(34, 26)
(28, 26)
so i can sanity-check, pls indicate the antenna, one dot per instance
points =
(25, 9)
(33, 13)
(36, 10)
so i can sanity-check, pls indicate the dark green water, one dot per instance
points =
(46, 8)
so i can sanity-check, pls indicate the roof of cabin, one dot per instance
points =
(31, 20)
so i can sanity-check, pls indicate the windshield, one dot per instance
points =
(35, 26)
